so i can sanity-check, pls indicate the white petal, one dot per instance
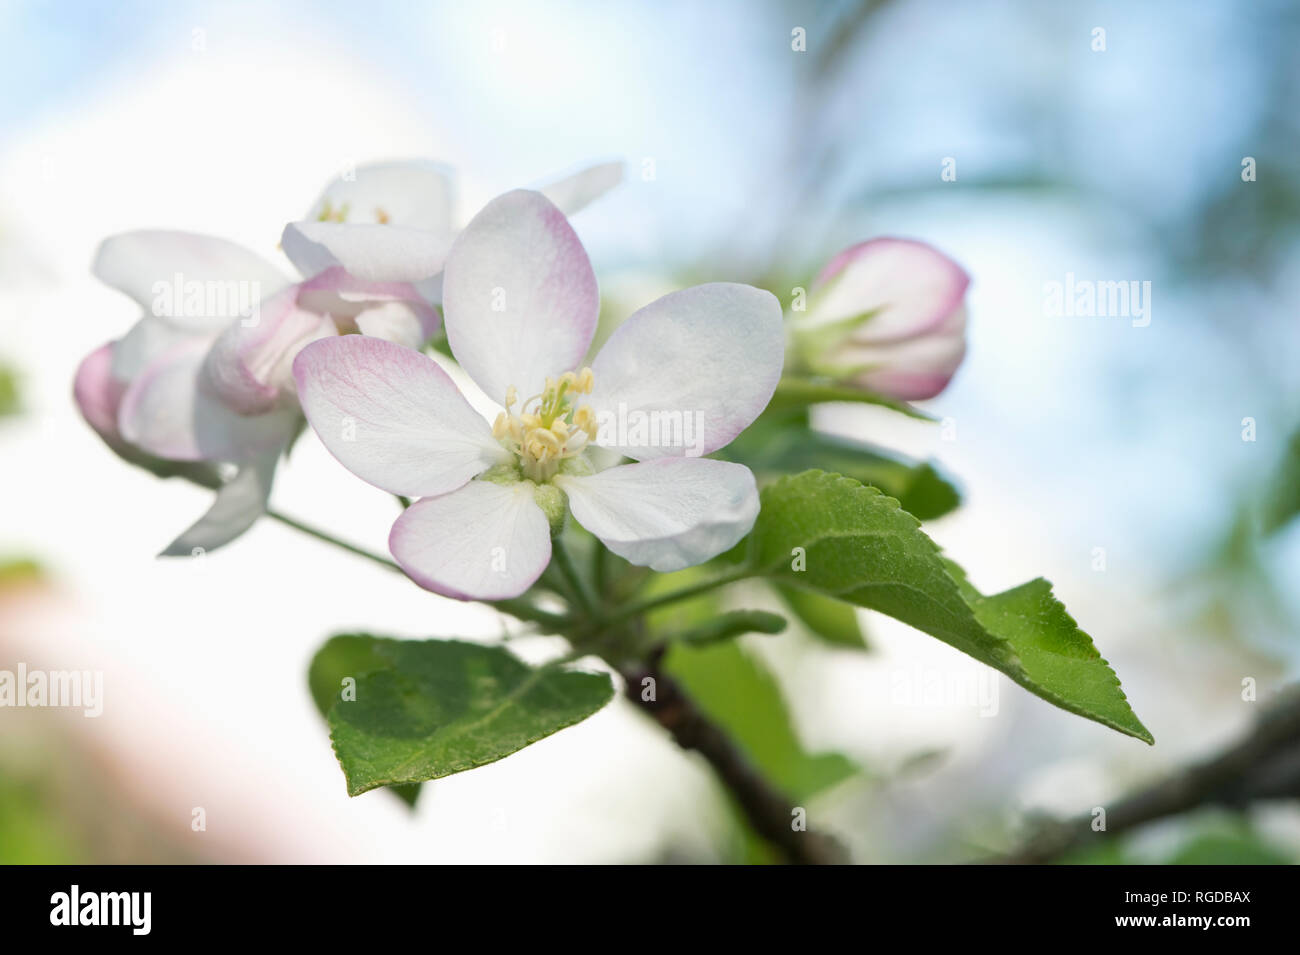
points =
(485, 541)
(413, 193)
(519, 296)
(395, 322)
(666, 514)
(689, 372)
(392, 416)
(170, 412)
(580, 189)
(152, 337)
(238, 505)
(372, 253)
(147, 265)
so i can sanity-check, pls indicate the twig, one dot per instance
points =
(1263, 765)
(769, 811)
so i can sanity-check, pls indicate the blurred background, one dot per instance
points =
(748, 160)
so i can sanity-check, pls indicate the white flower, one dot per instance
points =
(392, 221)
(520, 304)
(203, 378)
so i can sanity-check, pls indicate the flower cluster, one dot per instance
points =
(201, 385)
(215, 380)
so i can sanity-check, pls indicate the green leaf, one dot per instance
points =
(733, 687)
(429, 708)
(779, 448)
(826, 618)
(858, 545)
(795, 394)
(342, 657)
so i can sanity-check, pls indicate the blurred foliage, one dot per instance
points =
(733, 686)
(735, 689)
(829, 619)
(1282, 499)
(10, 403)
(19, 570)
(33, 830)
(1209, 838)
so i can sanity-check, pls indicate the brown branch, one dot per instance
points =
(769, 811)
(1263, 765)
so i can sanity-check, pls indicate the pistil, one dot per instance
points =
(549, 427)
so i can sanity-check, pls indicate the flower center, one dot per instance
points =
(330, 213)
(550, 427)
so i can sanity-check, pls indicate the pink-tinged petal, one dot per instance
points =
(689, 372)
(396, 311)
(372, 253)
(911, 369)
(238, 505)
(485, 541)
(152, 337)
(249, 366)
(99, 394)
(170, 412)
(575, 192)
(412, 193)
(185, 276)
(391, 416)
(519, 296)
(911, 287)
(666, 514)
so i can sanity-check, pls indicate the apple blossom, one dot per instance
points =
(203, 378)
(520, 302)
(393, 221)
(887, 315)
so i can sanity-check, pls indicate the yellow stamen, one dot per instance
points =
(548, 427)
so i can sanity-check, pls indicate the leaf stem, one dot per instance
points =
(599, 567)
(562, 560)
(331, 539)
(525, 610)
(653, 603)
(520, 608)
